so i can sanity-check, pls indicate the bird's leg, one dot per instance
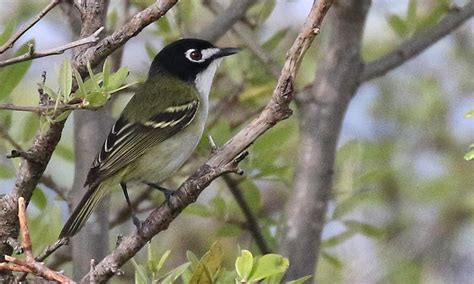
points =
(165, 191)
(135, 219)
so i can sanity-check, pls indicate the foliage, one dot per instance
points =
(267, 269)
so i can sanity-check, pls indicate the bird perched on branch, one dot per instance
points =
(158, 129)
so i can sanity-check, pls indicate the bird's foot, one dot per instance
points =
(167, 192)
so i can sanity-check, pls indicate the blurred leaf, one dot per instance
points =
(300, 280)
(432, 18)
(11, 75)
(193, 259)
(64, 152)
(150, 50)
(337, 239)
(96, 99)
(229, 230)
(470, 154)
(332, 260)
(39, 199)
(184, 13)
(8, 28)
(140, 273)
(164, 257)
(256, 92)
(261, 11)
(469, 113)
(81, 91)
(198, 210)
(251, 194)
(244, 264)
(174, 274)
(50, 92)
(208, 265)
(106, 74)
(398, 25)
(112, 20)
(219, 206)
(5, 172)
(65, 79)
(411, 14)
(30, 126)
(365, 229)
(268, 265)
(275, 39)
(117, 79)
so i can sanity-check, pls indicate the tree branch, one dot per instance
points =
(30, 265)
(31, 54)
(223, 160)
(45, 142)
(9, 44)
(252, 224)
(225, 19)
(418, 43)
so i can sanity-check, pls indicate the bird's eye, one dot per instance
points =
(195, 55)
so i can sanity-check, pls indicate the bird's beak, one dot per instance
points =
(226, 51)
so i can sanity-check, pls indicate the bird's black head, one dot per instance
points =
(186, 58)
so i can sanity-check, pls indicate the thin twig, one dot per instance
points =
(27, 26)
(252, 223)
(31, 54)
(45, 108)
(4, 133)
(30, 265)
(418, 43)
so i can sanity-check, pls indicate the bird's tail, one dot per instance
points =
(83, 210)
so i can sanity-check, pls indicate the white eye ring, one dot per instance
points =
(194, 55)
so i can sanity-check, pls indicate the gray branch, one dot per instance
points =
(418, 43)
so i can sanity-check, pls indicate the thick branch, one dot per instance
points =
(31, 54)
(27, 26)
(221, 161)
(418, 43)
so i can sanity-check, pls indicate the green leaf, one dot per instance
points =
(192, 258)
(300, 280)
(39, 199)
(219, 206)
(364, 229)
(411, 14)
(268, 265)
(275, 39)
(150, 50)
(470, 154)
(164, 257)
(398, 25)
(140, 273)
(116, 80)
(50, 92)
(96, 99)
(65, 152)
(11, 75)
(93, 79)
(198, 210)
(469, 113)
(208, 265)
(9, 27)
(171, 276)
(5, 172)
(229, 230)
(244, 264)
(30, 126)
(332, 260)
(65, 80)
(105, 74)
(81, 91)
(337, 239)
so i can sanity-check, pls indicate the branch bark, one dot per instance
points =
(418, 43)
(321, 111)
(45, 142)
(223, 160)
(32, 54)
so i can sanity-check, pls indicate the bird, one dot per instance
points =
(157, 130)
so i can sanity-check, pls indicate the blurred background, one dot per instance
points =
(401, 208)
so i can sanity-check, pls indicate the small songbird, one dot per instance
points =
(158, 129)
